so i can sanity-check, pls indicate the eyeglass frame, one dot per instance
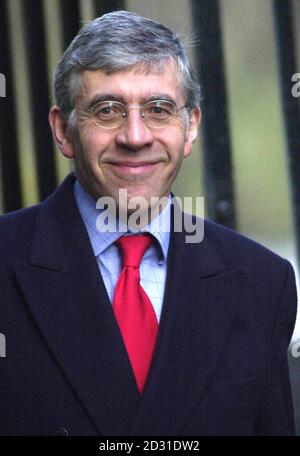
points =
(126, 111)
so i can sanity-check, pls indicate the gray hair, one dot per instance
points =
(117, 41)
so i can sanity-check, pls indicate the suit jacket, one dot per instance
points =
(220, 363)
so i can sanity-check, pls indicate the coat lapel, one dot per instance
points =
(200, 300)
(68, 301)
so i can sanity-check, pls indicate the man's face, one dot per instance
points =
(144, 161)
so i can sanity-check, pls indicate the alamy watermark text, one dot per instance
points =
(2, 86)
(136, 213)
(296, 86)
(2, 346)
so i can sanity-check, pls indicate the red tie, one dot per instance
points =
(133, 308)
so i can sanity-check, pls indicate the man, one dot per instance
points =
(207, 353)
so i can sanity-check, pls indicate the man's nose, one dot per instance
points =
(134, 133)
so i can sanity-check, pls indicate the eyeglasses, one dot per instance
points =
(112, 114)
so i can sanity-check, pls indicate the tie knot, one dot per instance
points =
(133, 248)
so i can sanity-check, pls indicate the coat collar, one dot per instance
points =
(68, 301)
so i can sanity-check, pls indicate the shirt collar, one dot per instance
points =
(159, 227)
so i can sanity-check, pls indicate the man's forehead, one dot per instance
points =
(143, 77)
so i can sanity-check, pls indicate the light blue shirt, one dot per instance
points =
(153, 268)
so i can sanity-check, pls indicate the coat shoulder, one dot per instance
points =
(239, 250)
(17, 230)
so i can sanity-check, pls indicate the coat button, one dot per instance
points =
(61, 431)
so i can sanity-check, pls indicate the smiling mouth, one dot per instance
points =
(133, 167)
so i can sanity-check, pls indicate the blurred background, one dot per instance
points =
(246, 162)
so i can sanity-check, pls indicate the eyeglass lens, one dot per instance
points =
(110, 114)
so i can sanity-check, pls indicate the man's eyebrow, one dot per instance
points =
(104, 97)
(159, 96)
(113, 97)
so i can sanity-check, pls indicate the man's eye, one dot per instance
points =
(106, 111)
(103, 110)
(161, 111)
(158, 110)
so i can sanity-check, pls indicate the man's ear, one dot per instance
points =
(61, 133)
(192, 131)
